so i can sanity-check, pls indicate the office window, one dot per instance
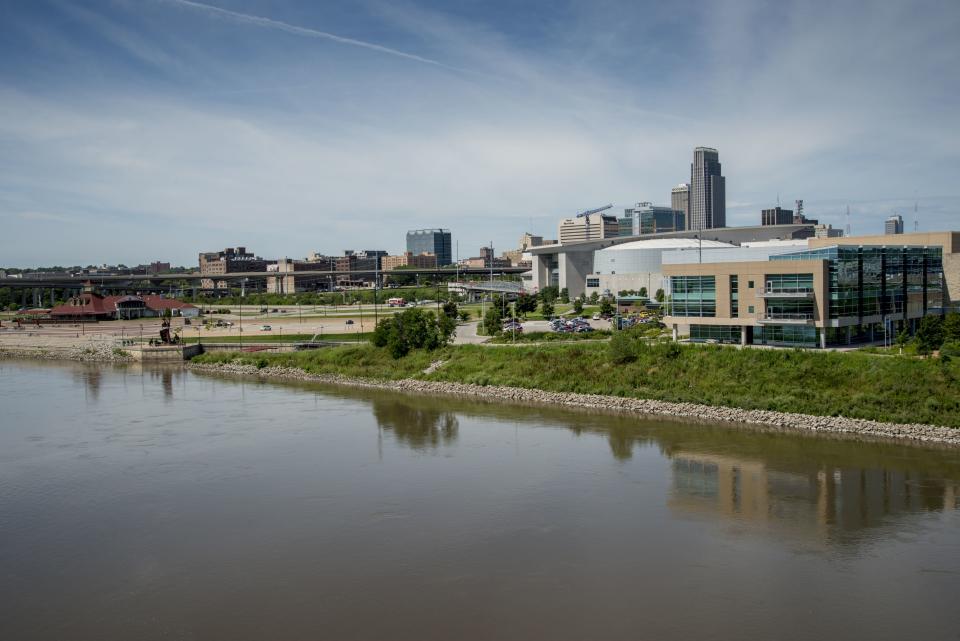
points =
(693, 295)
(734, 297)
(593, 282)
(750, 284)
(750, 309)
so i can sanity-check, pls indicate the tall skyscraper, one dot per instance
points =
(708, 192)
(431, 241)
(894, 225)
(680, 199)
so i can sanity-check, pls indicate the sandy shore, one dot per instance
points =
(776, 420)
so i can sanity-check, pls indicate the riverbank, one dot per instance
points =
(645, 407)
(90, 352)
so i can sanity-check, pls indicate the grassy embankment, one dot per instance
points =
(264, 337)
(901, 390)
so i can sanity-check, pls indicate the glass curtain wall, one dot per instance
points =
(693, 295)
(719, 333)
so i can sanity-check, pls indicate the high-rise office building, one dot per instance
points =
(592, 227)
(680, 199)
(708, 193)
(776, 216)
(894, 225)
(647, 218)
(431, 241)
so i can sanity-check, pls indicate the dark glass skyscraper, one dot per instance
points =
(431, 241)
(708, 193)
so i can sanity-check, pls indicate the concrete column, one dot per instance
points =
(743, 334)
(823, 338)
(675, 333)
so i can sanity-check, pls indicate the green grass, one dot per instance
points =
(364, 361)
(857, 385)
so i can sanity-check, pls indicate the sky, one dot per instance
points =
(142, 130)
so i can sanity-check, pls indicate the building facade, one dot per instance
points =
(584, 228)
(708, 195)
(776, 216)
(646, 218)
(893, 225)
(228, 261)
(425, 261)
(815, 297)
(431, 241)
(680, 199)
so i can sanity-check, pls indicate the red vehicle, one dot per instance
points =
(396, 302)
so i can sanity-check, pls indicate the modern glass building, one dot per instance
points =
(834, 295)
(431, 241)
(646, 218)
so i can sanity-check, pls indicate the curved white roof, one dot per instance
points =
(668, 243)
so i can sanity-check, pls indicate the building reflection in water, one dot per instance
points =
(829, 502)
(419, 426)
(166, 376)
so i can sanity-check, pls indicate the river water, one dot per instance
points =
(161, 504)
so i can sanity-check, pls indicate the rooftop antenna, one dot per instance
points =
(916, 218)
(847, 233)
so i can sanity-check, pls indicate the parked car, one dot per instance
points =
(349, 321)
(596, 316)
(274, 310)
(265, 328)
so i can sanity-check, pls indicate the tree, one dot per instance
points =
(930, 334)
(643, 292)
(546, 308)
(464, 315)
(951, 327)
(450, 309)
(578, 306)
(413, 329)
(492, 321)
(606, 307)
(564, 295)
(660, 295)
(903, 337)
(549, 294)
(594, 298)
(525, 304)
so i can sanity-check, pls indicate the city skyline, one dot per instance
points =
(137, 132)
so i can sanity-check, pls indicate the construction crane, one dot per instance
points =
(593, 211)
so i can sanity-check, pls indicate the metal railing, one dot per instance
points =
(795, 316)
(785, 291)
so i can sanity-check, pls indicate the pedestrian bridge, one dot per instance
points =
(475, 289)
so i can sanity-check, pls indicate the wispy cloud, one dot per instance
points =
(44, 217)
(269, 23)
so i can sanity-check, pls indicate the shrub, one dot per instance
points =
(622, 348)
(930, 334)
(950, 349)
(493, 321)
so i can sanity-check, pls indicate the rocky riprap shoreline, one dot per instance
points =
(766, 418)
(91, 353)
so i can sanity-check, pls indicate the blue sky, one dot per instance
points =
(138, 130)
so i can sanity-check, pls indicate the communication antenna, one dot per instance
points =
(847, 233)
(916, 217)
